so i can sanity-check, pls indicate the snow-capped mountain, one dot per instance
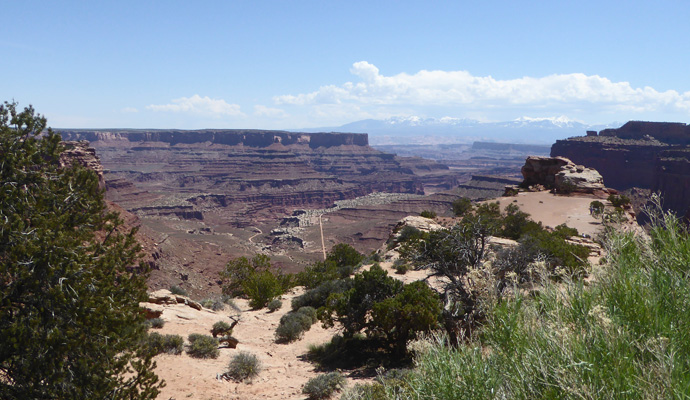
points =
(418, 130)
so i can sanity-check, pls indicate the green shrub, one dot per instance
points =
(407, 236)
(238, 270)
(294, 324)
(170, 344)
(317, 297)
(244, 366)
(324, 386)
(192, 337)
(350, 352)
(178, 290)
(516, 223)
(373, 257)
(572, 257)
(261, 288)
(309, 312)
(274, 305)
(416, 308)
(320, 272)
(344, 255)
(428, 214)
(489, 216)
(401, 266)
(221, 328)
(352, 308)
(304, 320)
(564, 231)
(202, 346)
(619, 201)
(409, 233)
(156, 323)
(289, 331)
(461, 206)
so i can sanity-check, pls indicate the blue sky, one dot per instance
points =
(298, 64)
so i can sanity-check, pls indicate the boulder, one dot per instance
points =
(421, 223)
(578, 178)
(151, 310)
(164, 296)
(561, 174)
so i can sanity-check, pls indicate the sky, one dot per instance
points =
(303, 64)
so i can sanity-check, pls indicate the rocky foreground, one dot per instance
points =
(285, 367)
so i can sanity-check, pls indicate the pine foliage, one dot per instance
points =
(70, 325)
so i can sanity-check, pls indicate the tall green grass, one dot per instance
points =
(624, 336)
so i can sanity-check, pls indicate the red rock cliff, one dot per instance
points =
(653, 155)
(230, 137)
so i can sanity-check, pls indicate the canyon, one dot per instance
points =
(639, 154)
(204, 197)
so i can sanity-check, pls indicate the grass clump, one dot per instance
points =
(289, 331)
(274, 305)
(428, 214)
(202, 346)
(174, 289)
(324, 386)
(156, 323)
(243, 366)
(213, 304)
(309, 312)
(401, 266)
(221, 328)
(170, 344)
(294, 324)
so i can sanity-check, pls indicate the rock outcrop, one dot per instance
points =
(648, 155)
(561, 174)
(164, 296)
(80, 153)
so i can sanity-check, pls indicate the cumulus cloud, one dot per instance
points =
(199, 105)
(462, 89)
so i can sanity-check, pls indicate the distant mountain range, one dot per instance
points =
(416, 130)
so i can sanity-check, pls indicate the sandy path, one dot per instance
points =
(552, 210)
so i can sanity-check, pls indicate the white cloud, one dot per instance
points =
(263, 111)
(462, 89)
(199, 105)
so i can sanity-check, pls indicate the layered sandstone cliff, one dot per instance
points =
(650, 155)
(249, 174)
(672, 180)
